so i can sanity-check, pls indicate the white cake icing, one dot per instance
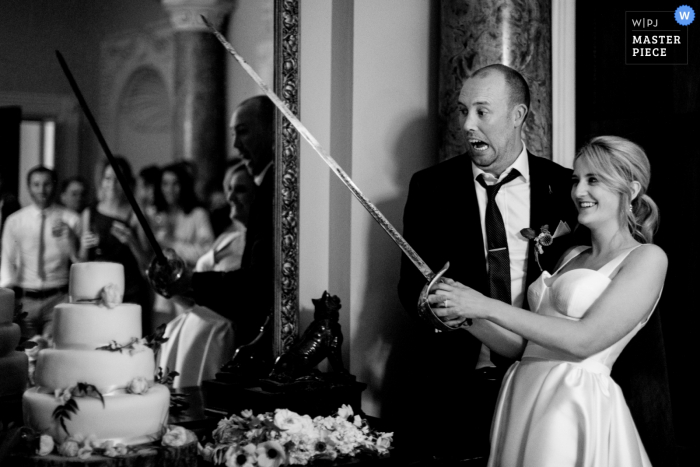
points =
(125, 418)
(88, 326)
(80, 328)
(108, 371)
(88, 279)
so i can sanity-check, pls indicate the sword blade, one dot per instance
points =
(347, 181)
(120, 176)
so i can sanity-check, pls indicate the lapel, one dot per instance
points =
(540, 211)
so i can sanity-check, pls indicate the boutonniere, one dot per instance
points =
(543, 239)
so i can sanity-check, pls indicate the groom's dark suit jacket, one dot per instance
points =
(442, 223)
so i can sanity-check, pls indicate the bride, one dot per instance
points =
(558, 405)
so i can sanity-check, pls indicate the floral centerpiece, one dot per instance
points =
(284, 437)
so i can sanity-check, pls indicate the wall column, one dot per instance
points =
(476, 33)
(199, 127)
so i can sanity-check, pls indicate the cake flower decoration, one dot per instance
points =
(110, 296)
(138, 385)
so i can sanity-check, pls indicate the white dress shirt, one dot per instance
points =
(20, 248)
(513, 200)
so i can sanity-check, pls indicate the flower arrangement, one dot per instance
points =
(543, 239)
(284, 437)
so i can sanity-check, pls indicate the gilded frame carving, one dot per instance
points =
(286, 254)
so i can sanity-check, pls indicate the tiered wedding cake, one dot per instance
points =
(97, 345)
(13, 364)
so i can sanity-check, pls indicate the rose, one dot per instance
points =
(114, 450)
(288, 421)
(85, 451)
(63, 395)
(69, 447)
(138, 385)
(345, 411)
(175, 436)
(46, 445)
(111, 296)
(384, 442)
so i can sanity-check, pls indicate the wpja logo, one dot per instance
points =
(657, 37)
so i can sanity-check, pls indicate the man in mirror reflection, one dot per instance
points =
(245, 295)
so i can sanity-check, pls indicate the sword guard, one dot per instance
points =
(425, 311)
(171, 277)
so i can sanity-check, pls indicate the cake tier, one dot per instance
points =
(10, 335)
(108, 371)
(88, 326)
(124, 418)
(88, 279)
(7, 305)
(14, 371)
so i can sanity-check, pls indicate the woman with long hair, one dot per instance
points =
(558, 405)
(111, 232)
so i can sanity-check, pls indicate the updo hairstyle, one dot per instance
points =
(619, 162)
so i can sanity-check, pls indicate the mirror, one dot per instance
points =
(286, 301)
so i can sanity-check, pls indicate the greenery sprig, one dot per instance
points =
(70, 406)
(166, 378)
(155, 340)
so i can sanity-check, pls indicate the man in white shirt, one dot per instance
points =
(38, 245)
(530, 192)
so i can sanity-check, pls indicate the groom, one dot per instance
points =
(450, 216)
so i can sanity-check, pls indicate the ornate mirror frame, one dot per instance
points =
(286, 198)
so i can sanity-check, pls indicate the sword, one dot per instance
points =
(167, 268)
(423, 307)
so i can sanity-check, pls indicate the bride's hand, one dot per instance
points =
(454, 302)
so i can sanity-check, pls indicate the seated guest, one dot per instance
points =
(38, 244)
(146, 189)
(110, 233)
(227, 252)
(180, 224)
(73, 194)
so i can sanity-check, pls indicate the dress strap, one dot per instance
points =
(571, 255)
(608, 268)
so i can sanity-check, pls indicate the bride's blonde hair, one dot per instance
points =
(619, 162)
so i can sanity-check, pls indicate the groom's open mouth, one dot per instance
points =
(478, 144)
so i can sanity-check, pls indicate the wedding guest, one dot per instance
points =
(483, 199)
(180, 224)
(73, 194)
(111, 233)
(558, 405)
(145, 193)
(38, 244)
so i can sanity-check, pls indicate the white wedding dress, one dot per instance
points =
(557, 411)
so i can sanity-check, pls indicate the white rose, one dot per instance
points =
(85, 451)
(288, 421)
(175, 436)
(46, 445)
(384, 442)
(138, 385)
(69, 448)
(345, 411)
(111, 296)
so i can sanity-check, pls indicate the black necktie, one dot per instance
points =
(497, 243)
(42, 246)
